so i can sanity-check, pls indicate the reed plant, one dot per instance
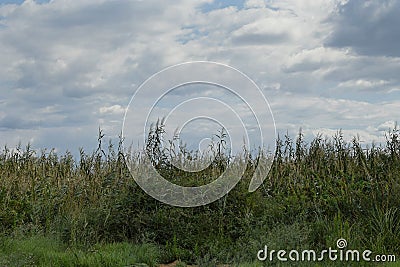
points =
(315, 193)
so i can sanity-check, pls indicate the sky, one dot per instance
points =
(70, 67)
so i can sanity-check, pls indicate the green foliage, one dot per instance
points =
(314, 194)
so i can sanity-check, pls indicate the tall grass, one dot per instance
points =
(314, 194)
(44, 251)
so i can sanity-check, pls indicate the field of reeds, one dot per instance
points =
(56, 210)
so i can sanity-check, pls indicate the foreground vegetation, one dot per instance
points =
(44, 251)
(53, 206)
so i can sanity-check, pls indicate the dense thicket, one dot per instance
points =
(314, 194)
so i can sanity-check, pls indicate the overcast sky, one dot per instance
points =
(68, 67)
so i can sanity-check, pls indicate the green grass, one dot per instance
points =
(42, 251)
(58, 210)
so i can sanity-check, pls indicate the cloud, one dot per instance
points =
(317, 58)
(368, 27)
(264, 31)
(387, 126)
(115, 109)
(328, 115)
(82, 58)
(13, 122)
(363, 83)
(259, 38)
(71, 66)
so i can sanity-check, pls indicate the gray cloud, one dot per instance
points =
(369, 27)
(14, 122)
(260, 39)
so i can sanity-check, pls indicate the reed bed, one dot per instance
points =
(315, 193)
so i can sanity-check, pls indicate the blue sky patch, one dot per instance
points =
(194, 34)
(219, 4)
(18, 2)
